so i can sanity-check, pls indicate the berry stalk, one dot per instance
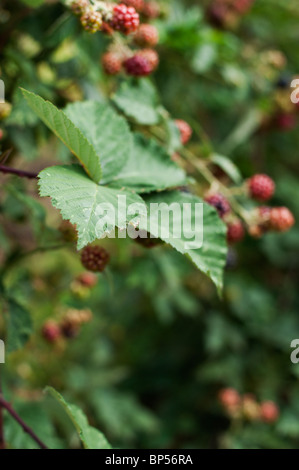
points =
(14, 171)
(7, 406)
(203, 170)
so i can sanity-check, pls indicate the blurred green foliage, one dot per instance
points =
(148, 368)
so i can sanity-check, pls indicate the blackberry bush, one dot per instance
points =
(177, 121)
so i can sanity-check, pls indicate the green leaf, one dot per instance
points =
(90, 437)
(66, 131)
(243, 130)
(204, 57)
(107, 131)
(79, 200)
(121, 413)
(229, 168)
(19, 326)
(149, 168)
(138, 100)
(211, 256)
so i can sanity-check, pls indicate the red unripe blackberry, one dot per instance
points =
(79, 7)
(137, 4)
(137, 66)
(229, 398)
(151, 56)
(235, 231)
(91, 21)
(269, 411)
(185, 130)
(281, 219)
(94, 258)
(146, 35)
(261, 187)
(111, 63)
(151, 9)
(125, 19)
(51, 331)
(87, 279)
(242, 6)
(286, 121)
(220, 203)
(1, 134)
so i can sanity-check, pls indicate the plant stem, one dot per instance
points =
(204, 171)
(4, 404)
(14, 171)
(208, 175)
(199, 165)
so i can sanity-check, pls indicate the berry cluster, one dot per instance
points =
(261, 188)
(123, 18)
(246, 407)
(140, 64)
(98, 16)
(277, 219)
(68, 327)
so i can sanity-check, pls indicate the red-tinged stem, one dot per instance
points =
(7, 406)
(14, 171)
